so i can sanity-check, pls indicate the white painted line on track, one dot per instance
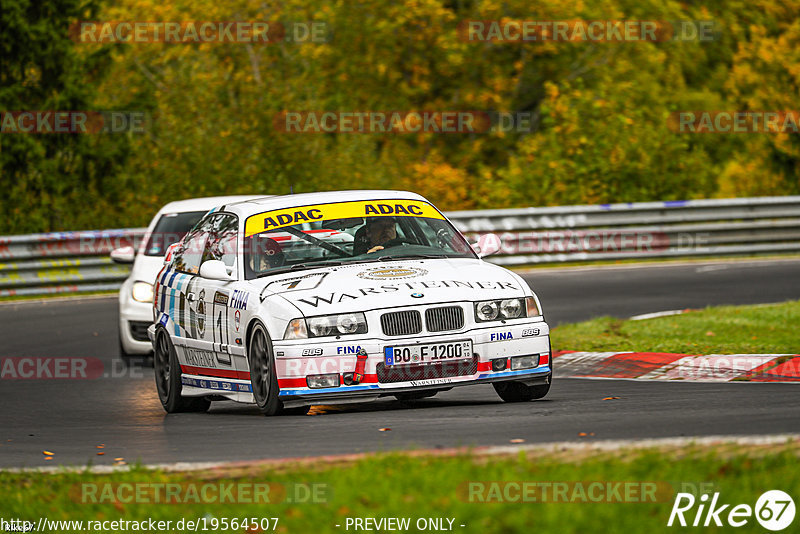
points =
(654, 315)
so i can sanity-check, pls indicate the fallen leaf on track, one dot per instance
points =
(610, 398)
(48, 453)
(516, 440)
(384, 430)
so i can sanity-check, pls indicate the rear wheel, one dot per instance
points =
(168, 379)
(263, 375)
(519, 392)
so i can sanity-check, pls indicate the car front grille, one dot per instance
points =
(403, 323)
(405, 373)
(444, 319)
(139, 330)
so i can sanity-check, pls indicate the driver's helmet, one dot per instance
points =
(266, 254)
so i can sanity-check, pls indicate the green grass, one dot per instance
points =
(718, 330)
(417, 486)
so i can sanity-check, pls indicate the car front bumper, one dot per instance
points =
(297, 360)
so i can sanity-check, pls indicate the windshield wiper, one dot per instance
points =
(301, 267)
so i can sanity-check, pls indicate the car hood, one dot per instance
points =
(368, 286)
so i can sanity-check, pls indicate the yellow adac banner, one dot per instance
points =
(271, 220)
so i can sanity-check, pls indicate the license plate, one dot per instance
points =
(428, 353)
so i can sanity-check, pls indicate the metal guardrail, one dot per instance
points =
(70, 262)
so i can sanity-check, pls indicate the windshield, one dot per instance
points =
(348, 232)
(169, 229)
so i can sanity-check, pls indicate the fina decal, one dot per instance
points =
(501, 336)
(239, 299)
(237, 320)
(392, 273)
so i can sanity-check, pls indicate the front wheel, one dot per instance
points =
(519, 392)
(168, 378)
(263, 376)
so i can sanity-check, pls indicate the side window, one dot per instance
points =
(188, 257)
(221, 244)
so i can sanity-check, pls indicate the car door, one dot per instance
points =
(220, 298)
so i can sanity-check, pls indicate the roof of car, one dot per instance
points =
(205, 203)
(263, 204)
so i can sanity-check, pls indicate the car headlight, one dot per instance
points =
(327, 325)
(496, 310)
(142, 292)
(487, 311)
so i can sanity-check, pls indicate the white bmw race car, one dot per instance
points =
(327, 298)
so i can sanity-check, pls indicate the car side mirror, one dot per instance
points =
(215, 270)
(123, 255)
(486, 245)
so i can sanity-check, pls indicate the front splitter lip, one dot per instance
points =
(367, 392)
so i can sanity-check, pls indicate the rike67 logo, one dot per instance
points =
(774, 510)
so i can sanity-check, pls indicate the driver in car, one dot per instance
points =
(380, 230)
(267, 254)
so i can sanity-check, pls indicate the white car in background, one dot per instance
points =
(168, 226)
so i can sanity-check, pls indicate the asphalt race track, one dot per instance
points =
(122, 411)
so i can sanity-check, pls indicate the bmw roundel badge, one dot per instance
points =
(417, 295)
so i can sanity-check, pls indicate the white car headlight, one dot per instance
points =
(487, 311)
(497, 310)
(326, 325)
(511, 308)
(142, 292)
(337, 325)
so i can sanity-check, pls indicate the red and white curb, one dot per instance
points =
(688, 367)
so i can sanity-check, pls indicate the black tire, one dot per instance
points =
(263, 375)
(519, 392)
(414, 395)
(168, 378)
